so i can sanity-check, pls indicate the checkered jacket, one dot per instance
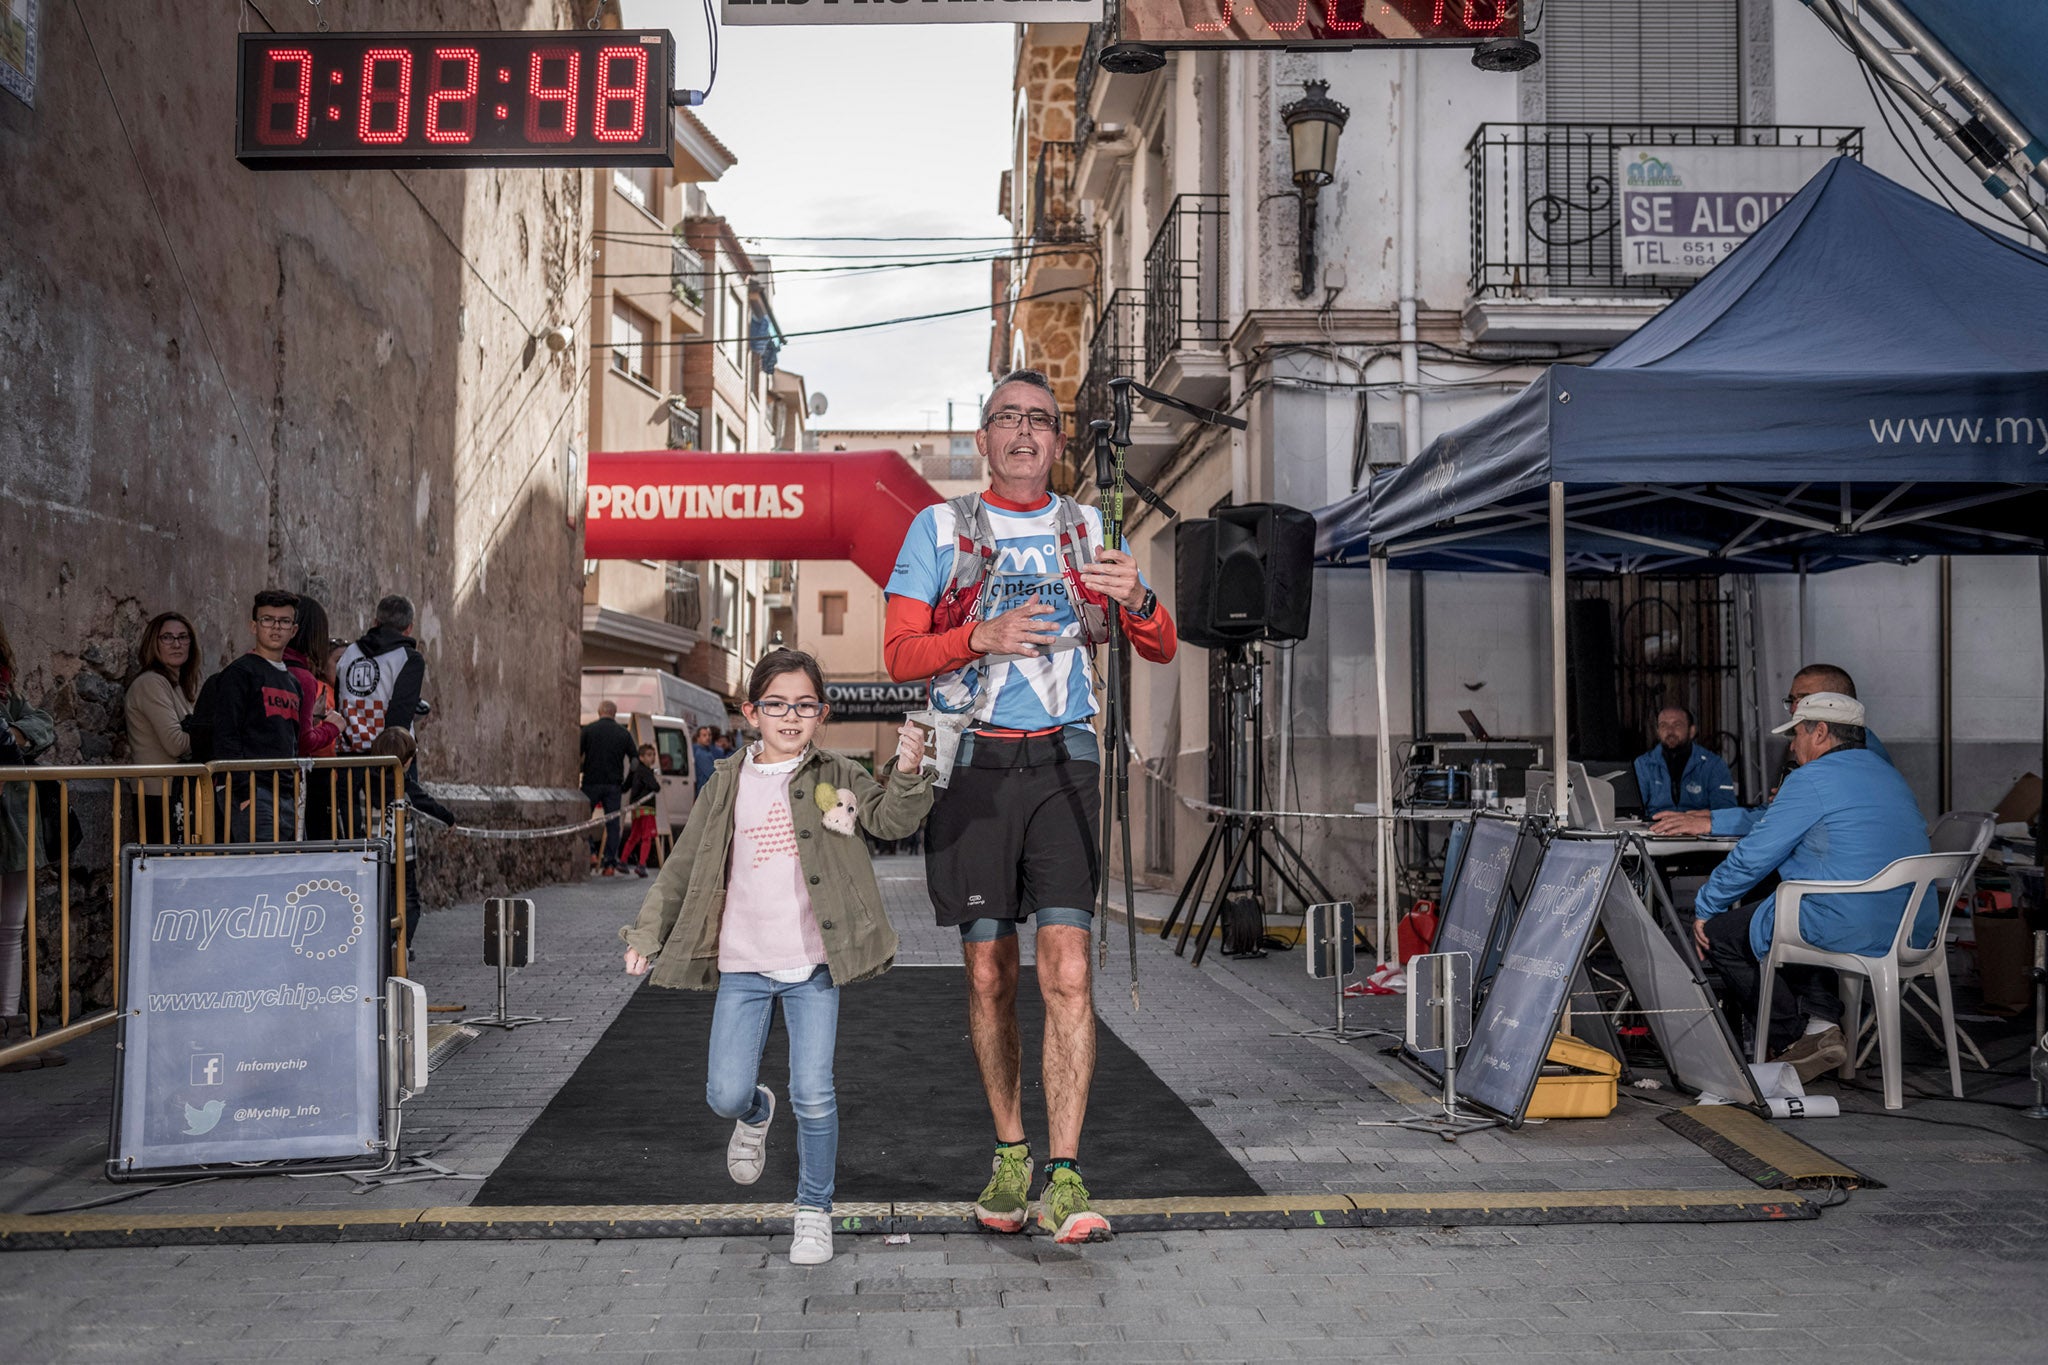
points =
(377, 683)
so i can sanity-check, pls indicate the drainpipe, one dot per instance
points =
(1946, 779)
(1411, 365)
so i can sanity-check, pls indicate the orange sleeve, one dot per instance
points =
(911, 651)
(1156, 639)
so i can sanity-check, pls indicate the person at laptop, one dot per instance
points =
(1679, 774)
(1842, 815)
(1740, 820)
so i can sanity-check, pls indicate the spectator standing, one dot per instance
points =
(160, 695)
(379, 678)
(310, 659)
(255, 708)
(607, 749)
(641, 785)
(25, 732)
(703, 754)
(401, 745)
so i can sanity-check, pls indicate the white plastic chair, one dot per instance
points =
(1902, 963)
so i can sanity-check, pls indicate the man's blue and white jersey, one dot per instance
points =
(1015, 693)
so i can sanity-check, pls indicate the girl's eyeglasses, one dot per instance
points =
(809, 710)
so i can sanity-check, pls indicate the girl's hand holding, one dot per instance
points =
(637, 965)
(909, 747)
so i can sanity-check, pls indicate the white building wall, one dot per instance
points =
(1488, 645)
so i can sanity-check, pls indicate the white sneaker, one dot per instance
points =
(747, 1150)
(812, 1244)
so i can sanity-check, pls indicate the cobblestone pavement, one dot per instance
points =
(1949, 1262)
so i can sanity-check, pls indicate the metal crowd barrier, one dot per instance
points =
(191, 805)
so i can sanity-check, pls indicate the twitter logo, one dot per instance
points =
(201, 1119)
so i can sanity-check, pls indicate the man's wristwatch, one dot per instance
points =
(1144, 609)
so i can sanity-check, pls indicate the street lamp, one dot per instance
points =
(1314, 123)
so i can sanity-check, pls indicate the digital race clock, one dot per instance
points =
(1317, 23)
(340, 100)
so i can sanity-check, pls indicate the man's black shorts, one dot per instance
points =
(1015, 831)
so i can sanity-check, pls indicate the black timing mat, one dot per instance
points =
(631, 1125)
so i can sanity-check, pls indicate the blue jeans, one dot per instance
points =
(739, 1032)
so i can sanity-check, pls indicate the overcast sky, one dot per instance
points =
(896, 130)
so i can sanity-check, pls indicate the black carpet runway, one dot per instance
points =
(631, 1125)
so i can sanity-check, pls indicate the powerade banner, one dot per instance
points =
(1685, 208)
(873, 701)
(250, 1010)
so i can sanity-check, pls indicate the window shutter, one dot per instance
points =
(1642, 61)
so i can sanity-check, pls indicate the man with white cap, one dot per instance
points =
(1842, 815)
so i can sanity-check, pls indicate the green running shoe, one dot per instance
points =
(1007, 1198)
(1063, 1209)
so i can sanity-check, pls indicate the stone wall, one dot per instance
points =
(220, 380)
(214, 380)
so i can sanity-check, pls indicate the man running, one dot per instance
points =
(998, 599)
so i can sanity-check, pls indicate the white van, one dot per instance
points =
(665, 711)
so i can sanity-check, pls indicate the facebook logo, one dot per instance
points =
(207, 1068)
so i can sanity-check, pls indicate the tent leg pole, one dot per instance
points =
(1560, 803)
(1383, 843)
(1946, 779)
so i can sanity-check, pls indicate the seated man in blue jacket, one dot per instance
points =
(1842, 815)
(1737, 821)
(1679, 774)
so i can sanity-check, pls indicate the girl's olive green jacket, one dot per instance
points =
(679, 921)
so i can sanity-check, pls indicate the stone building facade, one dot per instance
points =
(334, 382)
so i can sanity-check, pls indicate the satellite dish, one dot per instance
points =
(818, 405)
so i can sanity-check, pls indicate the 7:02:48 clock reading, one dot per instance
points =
(582, 98)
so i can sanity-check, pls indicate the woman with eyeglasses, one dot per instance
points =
(160, 696)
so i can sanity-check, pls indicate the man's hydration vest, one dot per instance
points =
(974, 554)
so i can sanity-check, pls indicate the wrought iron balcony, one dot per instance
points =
(686, 274)
(1100, 36)
(683, 598)
(1184, 279)
(1055, 206)
(683, 430)
(1116, 350)
(1546, 217)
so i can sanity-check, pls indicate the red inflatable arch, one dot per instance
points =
(676, 504)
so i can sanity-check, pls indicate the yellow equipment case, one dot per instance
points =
(1587, 1087)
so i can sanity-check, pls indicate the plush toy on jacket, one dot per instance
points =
(839, 806)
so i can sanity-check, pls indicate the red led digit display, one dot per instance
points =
(451, 102)
(1317, 23)
(579, 98)
(551, 95)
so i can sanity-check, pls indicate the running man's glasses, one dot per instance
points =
(1009, 419)
(777, 708)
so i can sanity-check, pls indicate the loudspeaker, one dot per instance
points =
(1244, 575)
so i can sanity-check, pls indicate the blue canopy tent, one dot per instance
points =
(1865, 379)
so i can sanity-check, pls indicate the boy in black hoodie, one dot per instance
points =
(255, 715)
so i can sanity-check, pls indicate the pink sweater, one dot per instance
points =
(768, 925)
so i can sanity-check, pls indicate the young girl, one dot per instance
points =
(769, 895)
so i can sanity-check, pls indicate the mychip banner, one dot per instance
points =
(1683, 209)
(250, 1010)
(856, 12)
